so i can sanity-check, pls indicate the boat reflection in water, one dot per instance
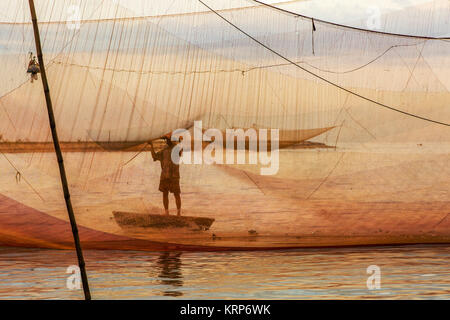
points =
(170, 276)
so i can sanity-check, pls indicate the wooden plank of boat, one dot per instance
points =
(160, 221)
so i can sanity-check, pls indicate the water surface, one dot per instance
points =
(407, 272)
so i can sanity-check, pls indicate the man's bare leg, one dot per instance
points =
(178, 201)
(166, 201)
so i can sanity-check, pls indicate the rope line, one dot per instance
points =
(138, 153)
(326, 178)
(243, 71)
(20, 176)
(322, 78)
(298, 15)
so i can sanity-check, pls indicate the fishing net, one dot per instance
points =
(366, 111)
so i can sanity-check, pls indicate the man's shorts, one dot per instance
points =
(171, 185)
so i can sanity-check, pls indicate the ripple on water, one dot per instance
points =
(408, 272)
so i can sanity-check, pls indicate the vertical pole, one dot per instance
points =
(62, 171)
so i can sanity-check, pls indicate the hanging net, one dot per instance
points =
(363, 118)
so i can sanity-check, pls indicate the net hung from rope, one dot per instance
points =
(122, 73)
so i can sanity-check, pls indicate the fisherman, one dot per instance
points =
(170, 174)
(33, 68)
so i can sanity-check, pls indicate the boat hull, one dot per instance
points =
(132, 220)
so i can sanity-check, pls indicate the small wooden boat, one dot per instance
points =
(129, 220)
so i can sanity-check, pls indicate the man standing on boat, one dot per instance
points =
(170, 174)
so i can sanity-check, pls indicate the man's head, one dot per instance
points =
(168, 140)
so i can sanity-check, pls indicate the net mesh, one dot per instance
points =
(118, 80)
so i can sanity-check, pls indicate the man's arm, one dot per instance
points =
(154, 155)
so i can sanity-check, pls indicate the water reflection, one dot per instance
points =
(169, 266)
(407, 272)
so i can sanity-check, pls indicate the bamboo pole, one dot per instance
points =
(62, 171)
